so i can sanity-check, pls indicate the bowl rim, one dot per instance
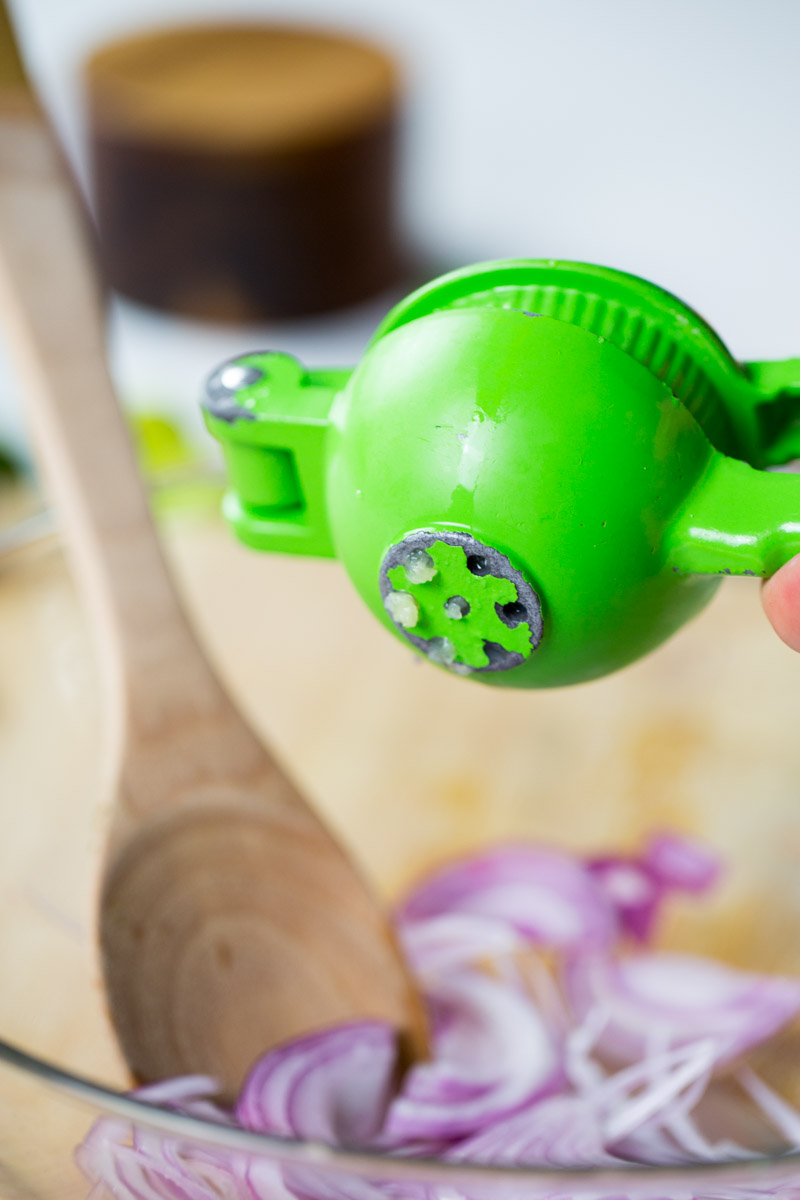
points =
(634, 1179)
(631, 1179)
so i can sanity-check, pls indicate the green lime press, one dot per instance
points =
(536, 474)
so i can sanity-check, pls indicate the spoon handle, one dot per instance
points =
(50, 308)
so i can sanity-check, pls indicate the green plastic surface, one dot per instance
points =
(583, 423)
(275, 456)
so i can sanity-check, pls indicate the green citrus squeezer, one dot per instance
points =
(536, 474)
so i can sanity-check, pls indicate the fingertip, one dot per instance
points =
(781, 599)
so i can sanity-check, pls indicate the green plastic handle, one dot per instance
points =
(737, 521)
(270, 416)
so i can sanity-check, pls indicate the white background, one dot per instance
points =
(658, 136)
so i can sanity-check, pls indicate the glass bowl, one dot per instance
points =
(410, 766)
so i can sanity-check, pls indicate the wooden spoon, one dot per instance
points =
(230, 919)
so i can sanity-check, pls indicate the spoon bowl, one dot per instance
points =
(224, 925)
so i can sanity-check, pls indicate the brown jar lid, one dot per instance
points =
(240, 88)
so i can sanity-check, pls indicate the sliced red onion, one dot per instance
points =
(681, 863)
(638, 886)
(581, 1068)
(444, 943)
(674, 1134)
(315, 1183)
(582, 1130)
(95, 1155)
(560, 1131)
(179, 1092)
(646, 1108)
(191, 1094)
(655, 1090)
(656, 1000)
(783, 1116)
(515, 1075)
(492, 1052)
(633, 893)
(133, 1161)
(661, 1147)
(136, 1164)
(333, 1086)
(265, 1180)
(548, 898)
(652, 1147)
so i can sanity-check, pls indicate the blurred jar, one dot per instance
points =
(244, 172)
